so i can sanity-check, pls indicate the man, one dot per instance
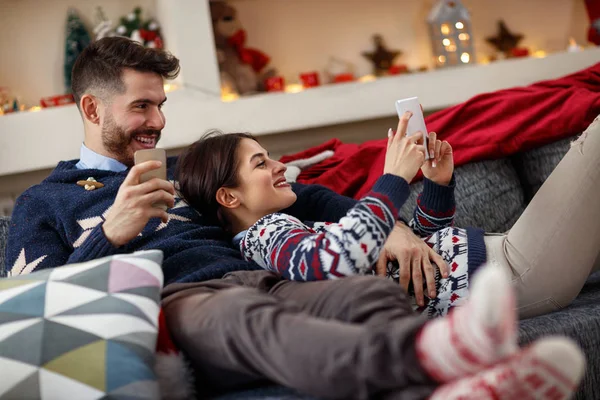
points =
(236, 322)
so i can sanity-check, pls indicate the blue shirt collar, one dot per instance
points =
(89, 159)
(237, 239)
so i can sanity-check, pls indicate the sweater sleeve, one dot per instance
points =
(435, 208)
(35, 240)
(283, 244)
(318, 203)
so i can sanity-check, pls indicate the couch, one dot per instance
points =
(491, 195)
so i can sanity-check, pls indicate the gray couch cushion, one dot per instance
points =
(580, 321)
(4, 221)
(536, 165)
(488, 196)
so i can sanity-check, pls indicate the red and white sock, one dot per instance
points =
(473, 336)
(550, 369)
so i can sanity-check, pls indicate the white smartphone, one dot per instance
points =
(141, 156)
(417, 121)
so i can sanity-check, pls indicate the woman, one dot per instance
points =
(231, 179)
(560, 228)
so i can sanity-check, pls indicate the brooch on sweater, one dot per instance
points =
(90, 184)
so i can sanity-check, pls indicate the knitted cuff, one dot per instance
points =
(394, 187)
(95, 246)
(438, 198)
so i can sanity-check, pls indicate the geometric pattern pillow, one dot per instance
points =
(82, 331)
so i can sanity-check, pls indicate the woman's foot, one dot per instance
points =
(473, 336)
(550, 369)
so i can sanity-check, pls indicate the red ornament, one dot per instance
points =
(519, 52)
(398, 69)
(54, 101)
(147, 35)
(345, 77)
(275, 84)
(310, 79)
(255, 58)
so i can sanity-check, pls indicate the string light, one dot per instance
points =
(294, 88)
(465, 58)
(445, 29)
(459, 25)
(367, 78)
(463, 36)
(446, 42)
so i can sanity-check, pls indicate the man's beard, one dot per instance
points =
(116, 140)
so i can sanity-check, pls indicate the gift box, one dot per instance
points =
(54, 101)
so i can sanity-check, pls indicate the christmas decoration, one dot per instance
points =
(398, 69)
(573, 46)
(505, 41)
(338, 71)
(54, 101)
(450, 31)
(77, 40)
(243, 66)
(103, 26)
(275, 84)
(8, 103)
(519, 52)
(132, 26)
(310, 79)
(381, 57)
(593, 10)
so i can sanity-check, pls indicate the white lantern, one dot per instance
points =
(451, 35)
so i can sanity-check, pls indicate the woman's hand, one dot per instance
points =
(405, 154)
(440, 166)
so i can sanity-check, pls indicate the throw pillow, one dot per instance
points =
(82, 331)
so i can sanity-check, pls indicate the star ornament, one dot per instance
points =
(382, 58)
(505, 41)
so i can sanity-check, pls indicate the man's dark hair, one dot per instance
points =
(99, 67)
(204, 167)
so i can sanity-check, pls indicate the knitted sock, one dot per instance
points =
(550, 369)
(473, 336)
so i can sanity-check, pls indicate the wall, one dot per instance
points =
(32, 41)
(301, 35)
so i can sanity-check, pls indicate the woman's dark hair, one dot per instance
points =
(204, 167)
(99, 67)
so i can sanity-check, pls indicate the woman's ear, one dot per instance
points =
(227, 198)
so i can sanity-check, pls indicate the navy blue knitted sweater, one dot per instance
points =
(59, 222)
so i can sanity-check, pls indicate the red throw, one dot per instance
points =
(488, 126)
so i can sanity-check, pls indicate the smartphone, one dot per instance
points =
(417, 121)
(141, 156)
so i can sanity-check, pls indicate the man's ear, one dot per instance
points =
(89, 108)
(227, 198)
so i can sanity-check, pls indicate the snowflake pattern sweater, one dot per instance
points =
(315, 251)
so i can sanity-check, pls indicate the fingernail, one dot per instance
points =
(390, 133)
(432, 294)
(432, 154)
(434, 164)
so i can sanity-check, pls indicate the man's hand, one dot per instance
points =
(440, 166)
(415, 258)
(132, 208)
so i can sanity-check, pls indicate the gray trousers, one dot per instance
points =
(555, 244)
(341, 339)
